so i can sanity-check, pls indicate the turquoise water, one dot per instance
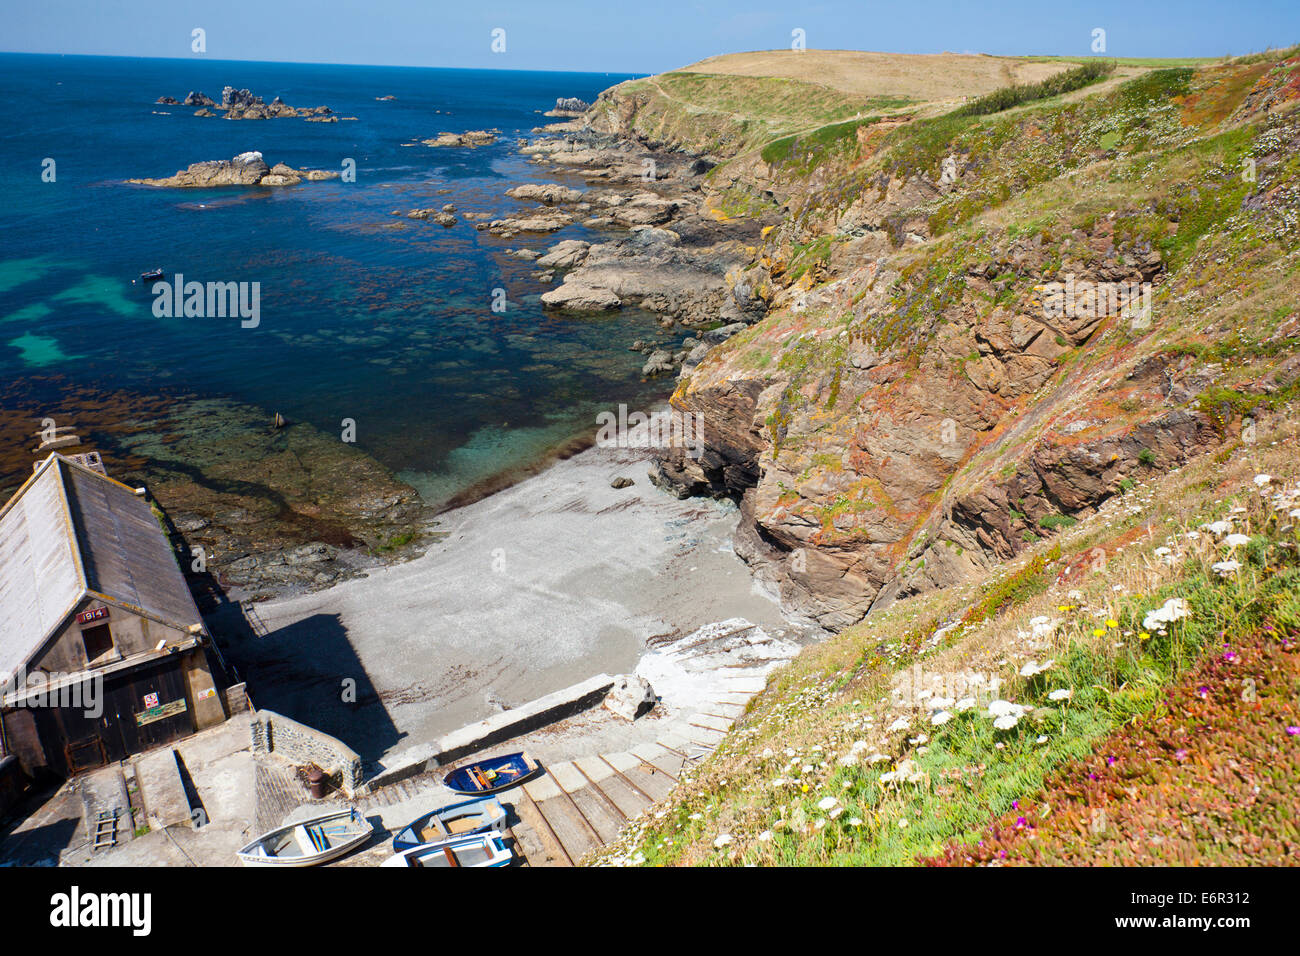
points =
(363, 315)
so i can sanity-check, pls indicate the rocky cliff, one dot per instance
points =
(982, 325)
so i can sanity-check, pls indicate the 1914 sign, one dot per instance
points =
(94, 614)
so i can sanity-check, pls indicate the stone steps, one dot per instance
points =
(581, 805)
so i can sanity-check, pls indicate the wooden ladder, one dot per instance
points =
(105, 833)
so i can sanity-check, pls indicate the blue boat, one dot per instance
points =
(492, 774)
(458, 820)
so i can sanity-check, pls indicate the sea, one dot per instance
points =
(371, 326)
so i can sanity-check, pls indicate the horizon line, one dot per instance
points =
(421, 66)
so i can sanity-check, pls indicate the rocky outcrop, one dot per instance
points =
(246, 169)
(443, 217)
(565, 254)
(472, 138)
(653, 269)
(244, 104)
(848, 464)
(569, 106)
(546, 193)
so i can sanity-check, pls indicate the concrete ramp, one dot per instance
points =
(159, 777)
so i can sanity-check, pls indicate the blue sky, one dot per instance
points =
(631, 36)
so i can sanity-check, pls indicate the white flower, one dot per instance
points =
(1033, 667)
(941, 718)
(902, 723)
(825, 803)
(834, 814)
(1262, 480)
(1173, 610)
(765, 836)
(939, 703)
(1236, 540)
(1218, 527)
(1161, 552)
(1004, 708)
(723, 840)
(855, 821)
(1060, 694)
(966, 703)
(902, 824)
(1224, 568)
(1042, 739)
(1006, 722)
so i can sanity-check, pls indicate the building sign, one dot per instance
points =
(94, 614)
(161, 713)
(150, 700)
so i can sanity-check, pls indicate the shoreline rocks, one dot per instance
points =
(443, 216)
(548, 194)
(246, 169)
(472, 139)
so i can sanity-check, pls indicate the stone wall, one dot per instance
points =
(300, 744)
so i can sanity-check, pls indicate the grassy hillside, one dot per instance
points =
(880, 746)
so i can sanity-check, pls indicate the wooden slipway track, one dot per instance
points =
(580, 805)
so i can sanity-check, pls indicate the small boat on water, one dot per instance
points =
(481, 849)
(460, 819)
(492, 774)
(312, 841)
(153, 275)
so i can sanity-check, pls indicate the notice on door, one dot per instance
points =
(161, 712)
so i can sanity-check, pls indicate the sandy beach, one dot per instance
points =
(533, 589)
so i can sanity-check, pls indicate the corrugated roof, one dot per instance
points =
(69, 532)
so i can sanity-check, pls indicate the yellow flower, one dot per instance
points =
(1111, 623)
(1144, 636)
(1098, 631)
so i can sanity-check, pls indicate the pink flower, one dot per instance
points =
(1202, 692)
(1180, 755)
(1292, 731)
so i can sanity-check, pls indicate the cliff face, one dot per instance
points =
(982, 328)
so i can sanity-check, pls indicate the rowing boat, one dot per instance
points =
(481, 849)
(492, 774)
(312, 841)
(459, 819)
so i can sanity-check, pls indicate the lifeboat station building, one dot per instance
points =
(103, 652)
